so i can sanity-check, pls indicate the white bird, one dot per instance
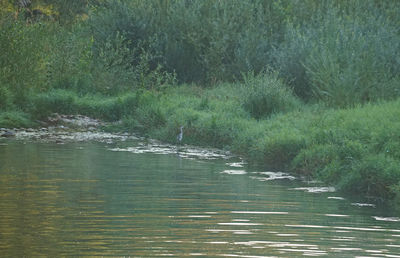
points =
(180, 135)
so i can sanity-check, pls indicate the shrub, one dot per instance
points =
(143, 112)
(5, 98)
(289, 58)
(69, 59)
(22, 68)
(15, 119)
(202, 41)
(355, 64)
(314, 158)
(56, 101)
(342, 57)
(278, 148)
(374, 175)
(123, 54)
(266, 94)
(111, 66)
(328, 161)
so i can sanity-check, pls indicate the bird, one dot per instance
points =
(179, 137)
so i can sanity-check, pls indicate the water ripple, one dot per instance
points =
(183, 151)
(236, 164)
(363, 204)
(392, 219)
(316, 189)
(273, 176)
(337, 215)
(234, 172)
(261, 212)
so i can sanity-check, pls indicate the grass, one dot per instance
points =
(266, 94)
(15, 119)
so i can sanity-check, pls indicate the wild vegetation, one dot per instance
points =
(307, 86)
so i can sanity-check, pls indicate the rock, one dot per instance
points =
(8, 134)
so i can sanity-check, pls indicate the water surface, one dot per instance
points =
(122, 199)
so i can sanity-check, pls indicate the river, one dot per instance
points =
(127, 198)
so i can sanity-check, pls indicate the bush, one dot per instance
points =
(22, 67)
(374, 175)
(314, 158)
(56, 101)
(354, 62)
(111, 67)
(289, 58)
(200, 41)
(279, 148)
(328, 161)
(5, 98)
(15, 119)
(266, 94)
(342, 57)
(123, 54)
(68, 102)
(69, 59)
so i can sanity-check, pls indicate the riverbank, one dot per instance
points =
(355, 149)
(310, 87)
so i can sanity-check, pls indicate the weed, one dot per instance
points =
(265, 94)
(15, 119)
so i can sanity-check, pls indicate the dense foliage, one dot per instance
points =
(310, 86)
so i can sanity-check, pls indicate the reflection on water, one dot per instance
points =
(88, 199)
(234, 172)
(316, 189)
(186, 152)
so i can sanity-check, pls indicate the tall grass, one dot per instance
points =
(340, 53)
(202, 41)
(346, 55)
(354, 61)
(68, 58)
(22, 65)
(68, 102)
(266, 94)
(15, 119)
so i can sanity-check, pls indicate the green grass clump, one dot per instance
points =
(266, 94)
(98, 106)
(5, 98)
(373, 175)
(15, 119)
(342, 61)
(56, 101)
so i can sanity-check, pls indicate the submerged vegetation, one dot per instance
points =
(309, 86)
